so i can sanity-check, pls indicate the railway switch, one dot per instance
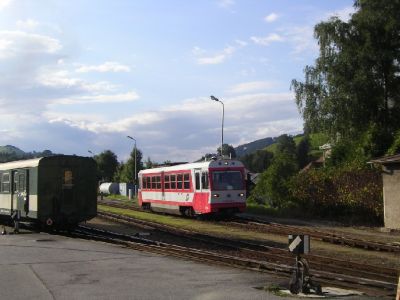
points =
(301, 278)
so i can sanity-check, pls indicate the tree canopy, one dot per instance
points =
(353, 90)
(107, 164)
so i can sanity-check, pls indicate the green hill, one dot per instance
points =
(316, 140)
(9, 150)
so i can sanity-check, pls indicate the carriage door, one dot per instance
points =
(197, 176)
(20, 191)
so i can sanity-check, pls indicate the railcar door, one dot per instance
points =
(20, 190)
(197, 175)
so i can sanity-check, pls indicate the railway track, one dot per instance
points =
(334, 238)
(372, 279)
(255, 224)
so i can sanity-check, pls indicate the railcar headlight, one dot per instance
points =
(216, 195)
(241, 194)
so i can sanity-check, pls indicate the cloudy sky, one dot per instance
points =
(82, 75)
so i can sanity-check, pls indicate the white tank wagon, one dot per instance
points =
(109, 188)
(212, 187)
(57, 191)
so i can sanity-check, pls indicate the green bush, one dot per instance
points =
(346, 193)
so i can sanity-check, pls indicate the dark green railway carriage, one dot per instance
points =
(58, 191)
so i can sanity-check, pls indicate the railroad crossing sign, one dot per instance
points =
(299, 243)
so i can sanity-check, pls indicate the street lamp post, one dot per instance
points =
(223, 113)
(129, 137)
(90, 152)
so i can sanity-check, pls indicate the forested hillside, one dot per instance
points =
(11, 153)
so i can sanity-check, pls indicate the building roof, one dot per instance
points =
(385, 160)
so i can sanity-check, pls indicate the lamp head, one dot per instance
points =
(214, 98)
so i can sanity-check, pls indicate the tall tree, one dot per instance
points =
(354, 85)
(227, 150)
(107, 164)
(128, 171)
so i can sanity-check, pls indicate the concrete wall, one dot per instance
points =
(391, 195)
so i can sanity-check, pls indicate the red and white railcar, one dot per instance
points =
(216, 186)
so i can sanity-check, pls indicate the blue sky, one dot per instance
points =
(82, 75)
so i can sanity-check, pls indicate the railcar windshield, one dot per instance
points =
(227, 180)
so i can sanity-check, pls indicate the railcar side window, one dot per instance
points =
(204, 180)
(179, 181)
(158, 181)
(148, 182)
(167, 184)
(186, 181)
(173, 182)
(153, 182)
(5, 182)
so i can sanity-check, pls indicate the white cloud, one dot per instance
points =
(302, 39)
(113, 98)
(4, 3)
(15, 43)
(343, 14)
(247, 117)
(57, 78)
(204, 58)
(109, 66)
(272, 17)
(241, 43)
(28, 24)
(217, 58)
(252, 86)
(265, 41)
(226, 3)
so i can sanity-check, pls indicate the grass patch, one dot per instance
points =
(194, 225)
(123, 199)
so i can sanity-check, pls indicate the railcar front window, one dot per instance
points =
(227, 180)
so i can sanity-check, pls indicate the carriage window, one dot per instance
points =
(21, 183)
(167, 184)
(153, 182)
(5, 182)
(204, 180)
(186, 181)
(173, 182)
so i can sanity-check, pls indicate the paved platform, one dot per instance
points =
(43, 266)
